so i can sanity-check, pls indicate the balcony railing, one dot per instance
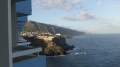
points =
(26, 52)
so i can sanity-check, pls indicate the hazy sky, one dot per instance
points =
(94, 16)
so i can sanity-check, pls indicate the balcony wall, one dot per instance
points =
(23, 8)
(35, 62)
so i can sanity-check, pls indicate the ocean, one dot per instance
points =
(91, 51)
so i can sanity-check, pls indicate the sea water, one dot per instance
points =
(91, 51)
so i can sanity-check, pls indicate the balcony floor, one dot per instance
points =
(34, 62)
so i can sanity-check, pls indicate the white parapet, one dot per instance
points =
(23, 44)
(26, 52)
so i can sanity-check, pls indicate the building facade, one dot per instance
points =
(13, 15)
(23, 9)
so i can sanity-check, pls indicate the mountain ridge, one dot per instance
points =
(33, 26)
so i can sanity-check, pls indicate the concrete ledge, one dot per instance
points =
(23, 43)
(26, 52)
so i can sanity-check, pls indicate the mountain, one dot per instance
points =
(33, 26)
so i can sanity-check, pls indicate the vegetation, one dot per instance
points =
(57, 46)
(53, 50)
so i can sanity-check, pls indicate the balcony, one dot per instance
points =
(23, 18)
(23, 8)
(20, 28)
(23, 52)
(26, 55)
(34, 62)
(20, 22)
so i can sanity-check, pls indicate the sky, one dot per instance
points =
(91, 16)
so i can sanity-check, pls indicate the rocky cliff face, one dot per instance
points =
(33, 26)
